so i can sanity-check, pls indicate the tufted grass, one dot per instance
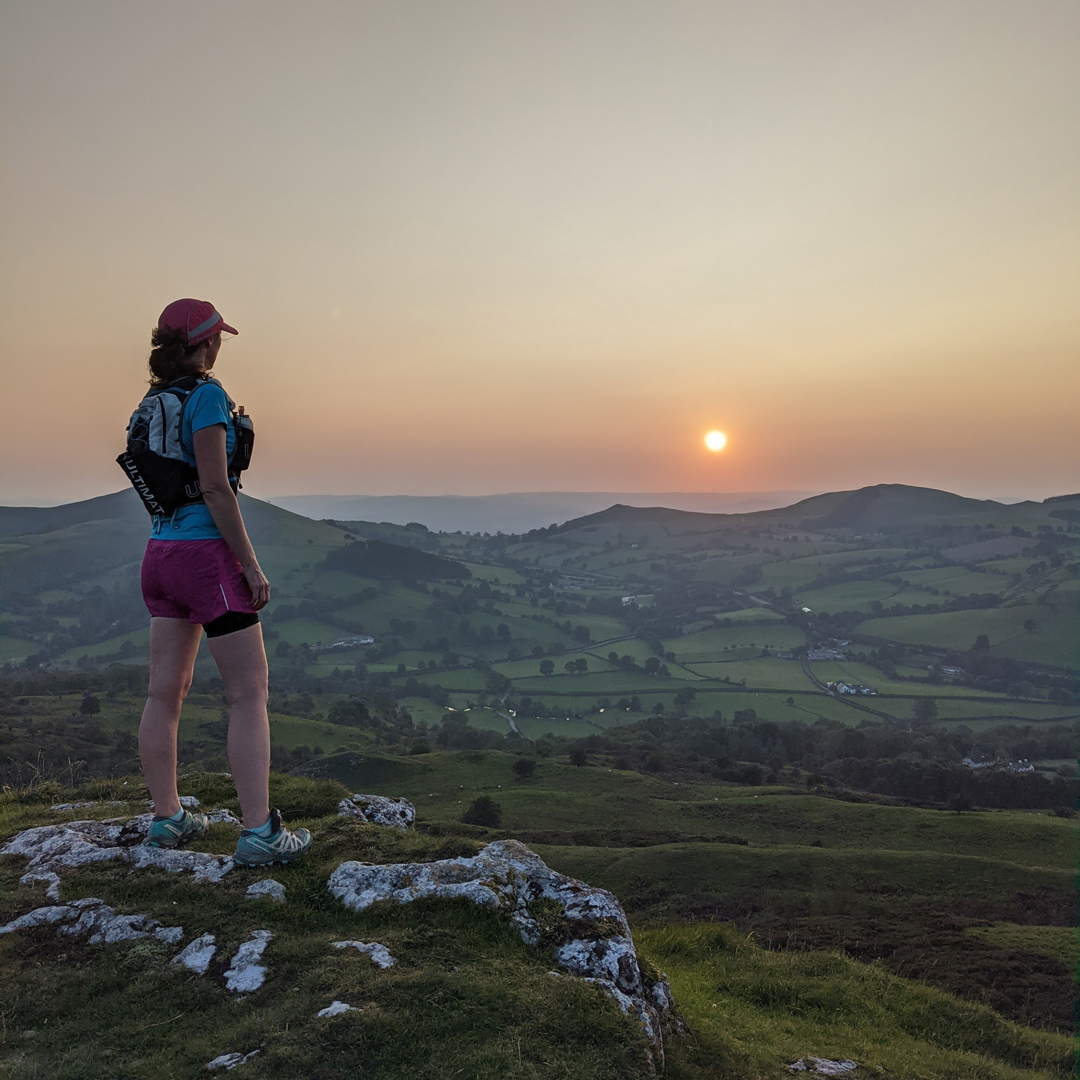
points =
(776, 1007)
(467, 998)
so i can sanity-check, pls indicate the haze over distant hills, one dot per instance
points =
(516, 512)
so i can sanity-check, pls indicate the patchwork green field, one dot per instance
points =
(819, 875)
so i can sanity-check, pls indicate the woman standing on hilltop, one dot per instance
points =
(187, 444)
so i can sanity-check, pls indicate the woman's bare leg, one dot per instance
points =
(241, 659)
(173, 645)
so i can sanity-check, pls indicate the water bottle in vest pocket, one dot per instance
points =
(154, 460)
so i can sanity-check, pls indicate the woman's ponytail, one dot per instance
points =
(169, 356)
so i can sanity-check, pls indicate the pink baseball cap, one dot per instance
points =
(197, 320)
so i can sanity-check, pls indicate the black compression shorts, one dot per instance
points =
(230, 622)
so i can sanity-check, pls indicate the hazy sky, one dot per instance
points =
(475, 247)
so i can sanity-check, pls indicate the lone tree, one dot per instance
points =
(578, 756)
(925, 709)
(523, 768)
(483, 811)
(89, 706)
(547, 667)
(981, 642)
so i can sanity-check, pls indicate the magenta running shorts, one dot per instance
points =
(197, 580)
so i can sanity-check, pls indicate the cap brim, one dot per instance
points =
(224, 327)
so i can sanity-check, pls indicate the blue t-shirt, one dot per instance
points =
(208, 405)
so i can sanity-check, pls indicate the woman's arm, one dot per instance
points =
(212, 463)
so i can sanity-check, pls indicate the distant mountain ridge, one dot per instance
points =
(518, 512)
(865, 509)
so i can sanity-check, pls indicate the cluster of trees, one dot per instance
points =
(651, 666)
(919, 762)
(572, 667)
(378, 559)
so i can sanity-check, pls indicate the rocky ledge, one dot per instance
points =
(379, 810)
(52, 849)
(586, 927)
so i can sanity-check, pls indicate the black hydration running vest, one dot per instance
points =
(154, 459)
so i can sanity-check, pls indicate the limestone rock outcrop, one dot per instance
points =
(379, 810)
(379, 954)
(197, 955)
(245, 973)
(586, 927)
(268, 888)
(94, 919)
(52, 849)
(335, 1008)
(229, 1061)
(823, 1066)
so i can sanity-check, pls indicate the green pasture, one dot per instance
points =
(139, 638)
(765, 673)
(423, 710)
(796, 574)
(1010, 566)
(602, 682)
(752, 615)
(854, 555)
(956, 580)
(483, 719)
(12, 649)
(534, 728)
(1055, 640)
(1001, 710)
(723, 569)
(56, 596)
(858, 596)
(495, 575)
(466, 680)
(1067, 590)
(707, 645)
(635, 648)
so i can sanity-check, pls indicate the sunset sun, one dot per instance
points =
(716, 440)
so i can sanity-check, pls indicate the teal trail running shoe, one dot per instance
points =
(166, 833)
(283, 845)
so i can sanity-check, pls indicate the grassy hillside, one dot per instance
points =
(466, 996)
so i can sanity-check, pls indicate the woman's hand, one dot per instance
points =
(221, 501)
(259, 586)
